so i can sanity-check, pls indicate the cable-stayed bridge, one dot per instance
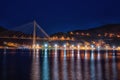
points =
(26, 31)
(31, 32)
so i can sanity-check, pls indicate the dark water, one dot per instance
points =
(58, 65)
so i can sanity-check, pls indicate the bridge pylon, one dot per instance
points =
(34, 35)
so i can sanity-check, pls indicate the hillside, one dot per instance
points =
(108, 33)
(2, 29)
(114, 28)
(110, 28)
(9, 33)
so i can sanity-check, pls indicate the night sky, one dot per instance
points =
(59, 15)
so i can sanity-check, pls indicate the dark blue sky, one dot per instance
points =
(59, 15)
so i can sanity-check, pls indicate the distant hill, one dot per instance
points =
(109, 33)
(109, 28)
(9, 33)
(114, 28)
(2, 29)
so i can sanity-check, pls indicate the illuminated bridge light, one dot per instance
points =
(106, 47)
(45, 45)
(118, 48)
(113, 47)
(37, 45)
(98, 47)
(92, 46)
(86, 47)
(55, 45)
(64, 45)
(78, 46)
(72, 46)
(33, 46)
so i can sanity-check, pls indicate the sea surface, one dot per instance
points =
(59, 65)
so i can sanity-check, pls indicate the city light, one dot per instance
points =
(113, 47)
(37, 46)
(72, 46)
(92, 46)
(78, 46)
(64, 45)
(98, 47)
(55, 45)
(45, 45)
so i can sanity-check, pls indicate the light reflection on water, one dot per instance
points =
(64, 53)
(60, 65)
(4, 68)
(106, 54)
(92, 66)
(85, 54)
(45, 67)
(86, 68)
(78, 54)
(55, 67)
(114, 70)
(35, 69)
(107, 67)
(72, 70)
(79, 75)
(92, 55)
(98, 55)
(64, 67)
(99, 68)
